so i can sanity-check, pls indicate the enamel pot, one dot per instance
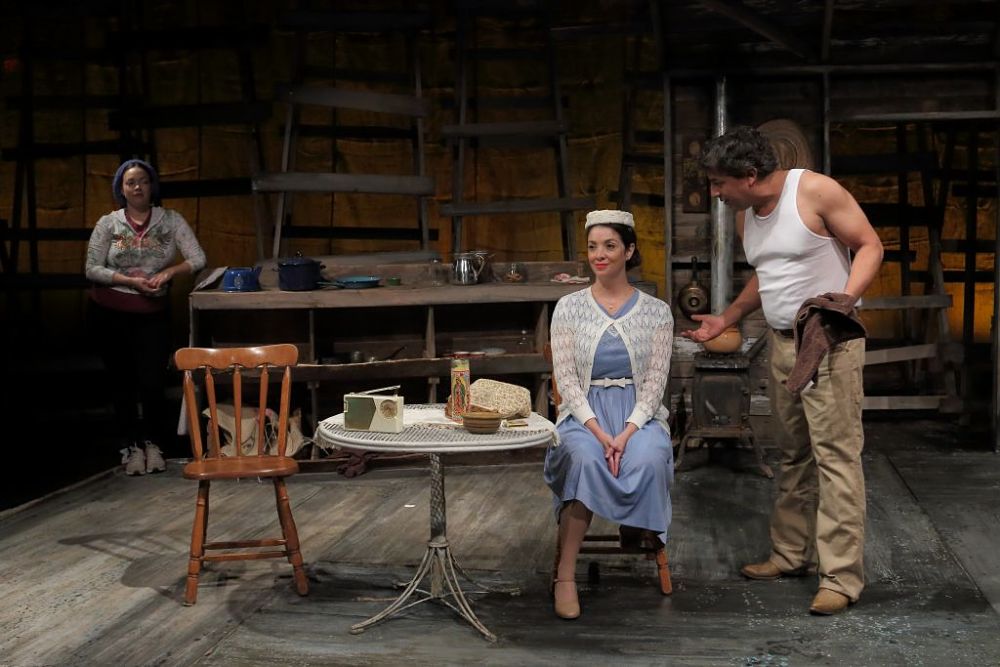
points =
(297, 274)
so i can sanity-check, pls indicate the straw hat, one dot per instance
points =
(790, 143)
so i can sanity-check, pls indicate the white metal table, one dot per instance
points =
(426, 429)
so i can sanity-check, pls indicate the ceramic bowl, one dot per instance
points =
(725, 343)
(481, 422)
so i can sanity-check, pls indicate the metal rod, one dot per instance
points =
(722, 222)
(996, 279)
(668, 189)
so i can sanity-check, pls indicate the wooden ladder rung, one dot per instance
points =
(355, 132)
(347, 21)
(191, 115)
(640, 198)
(360, 183)
(891, 163)
(544, 128)
(895, 354)
(206, 187)
(46, 233)
(905, 302)
(390, 103)
(367, 232)
(649, 137)
(480, 53)
(651, 159)
(903, 402)
(64, 150)
(467, 208)
(229, 37)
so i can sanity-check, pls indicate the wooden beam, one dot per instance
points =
(761, 26)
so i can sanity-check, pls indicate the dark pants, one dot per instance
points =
(135, 348)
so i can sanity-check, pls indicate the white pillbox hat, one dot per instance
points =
(609, 217)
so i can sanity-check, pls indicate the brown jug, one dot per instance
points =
(693, 298)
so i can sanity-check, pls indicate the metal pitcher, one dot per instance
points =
(466, 268)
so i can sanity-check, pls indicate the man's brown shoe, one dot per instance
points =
(766, 571)
(828, 602)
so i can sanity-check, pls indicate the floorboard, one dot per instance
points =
(95, 575)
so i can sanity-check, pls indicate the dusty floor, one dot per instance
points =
(94, 575)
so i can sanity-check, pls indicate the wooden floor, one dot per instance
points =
(93, 576)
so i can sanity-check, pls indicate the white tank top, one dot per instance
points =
(792, 262)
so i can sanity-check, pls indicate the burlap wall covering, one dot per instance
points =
(75, 192)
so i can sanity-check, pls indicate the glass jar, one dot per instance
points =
(438, 273)
(514, 273)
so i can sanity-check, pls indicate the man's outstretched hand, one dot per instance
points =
(711, 326)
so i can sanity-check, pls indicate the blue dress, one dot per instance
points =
(577, 470)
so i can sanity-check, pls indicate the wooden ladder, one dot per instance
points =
(528, 26)
(646, 151)
(929, 353)
(353, 91)
(642, 147)
(53, 45)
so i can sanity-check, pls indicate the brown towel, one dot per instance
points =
(821, 323)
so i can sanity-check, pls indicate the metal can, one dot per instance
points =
(460, 393)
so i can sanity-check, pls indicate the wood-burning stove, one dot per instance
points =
(720, 405)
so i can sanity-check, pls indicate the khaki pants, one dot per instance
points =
(820, 508)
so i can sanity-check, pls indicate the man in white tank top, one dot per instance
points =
(797, 227)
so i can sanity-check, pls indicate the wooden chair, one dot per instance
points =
(211, 465)
(627, 541)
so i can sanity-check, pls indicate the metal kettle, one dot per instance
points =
(693, 298)
(466, 268)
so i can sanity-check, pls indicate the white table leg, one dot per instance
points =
(437, 561)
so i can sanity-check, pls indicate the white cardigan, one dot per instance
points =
(647, 330)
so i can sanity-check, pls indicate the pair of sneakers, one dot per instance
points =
(140, 460)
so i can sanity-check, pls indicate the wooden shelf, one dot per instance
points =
(421, 321)
(403, 295)
(504, 364)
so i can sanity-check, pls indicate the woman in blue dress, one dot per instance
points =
(611, 348)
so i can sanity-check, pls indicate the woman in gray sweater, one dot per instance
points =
(131, 259)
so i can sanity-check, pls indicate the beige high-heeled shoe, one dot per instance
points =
(566, 600)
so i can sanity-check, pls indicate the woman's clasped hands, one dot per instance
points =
(614, 447)
(145, 284)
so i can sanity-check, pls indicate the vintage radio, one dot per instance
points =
(374, 411)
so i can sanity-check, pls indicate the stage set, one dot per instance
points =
(385, 202)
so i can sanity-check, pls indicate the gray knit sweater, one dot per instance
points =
(647, 331)
(116, 248)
